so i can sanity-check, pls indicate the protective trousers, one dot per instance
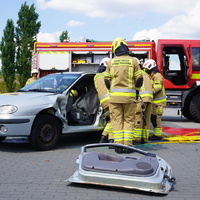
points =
(142, 122)
(108, 131)
(156, 119)
(122, 121)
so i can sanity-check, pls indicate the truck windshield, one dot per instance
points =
(57, 83)
(175, 65)
(174, 62)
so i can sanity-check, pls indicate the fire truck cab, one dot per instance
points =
(178, 62)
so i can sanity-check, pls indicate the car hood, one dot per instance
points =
(20, 97)
(30, 102)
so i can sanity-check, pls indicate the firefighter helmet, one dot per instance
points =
(105, 61)
(149, 64)
(34, 71)
(117, 43)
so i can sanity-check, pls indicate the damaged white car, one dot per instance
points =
(56, 104)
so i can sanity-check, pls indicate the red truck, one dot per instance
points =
(178, 62)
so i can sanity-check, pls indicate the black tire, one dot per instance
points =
(45, 132)
(195, 108)
(186, 112)
(2, 138)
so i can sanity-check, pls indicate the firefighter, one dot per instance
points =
(159, 98)
(102, 87)
(126, 80)
(143, 110)
(34, 73)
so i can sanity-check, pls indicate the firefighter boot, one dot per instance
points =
(155, 137)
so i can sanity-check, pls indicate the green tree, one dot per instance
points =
(64, 36)
(26, 35)
(7, 47)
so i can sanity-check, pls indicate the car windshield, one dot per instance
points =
(52, 83)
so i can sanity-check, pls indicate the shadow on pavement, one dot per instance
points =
(16, 145)
(113, 189)
(78, 140)
(69, 141)
(175, 119)
(150, 147)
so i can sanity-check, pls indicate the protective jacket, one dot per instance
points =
(146, 91)
(124, 72)
(30, 80)
(159, 95)
(104, 98)
(103, 93)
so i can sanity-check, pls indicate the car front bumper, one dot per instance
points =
(15, 125)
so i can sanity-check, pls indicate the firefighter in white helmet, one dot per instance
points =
(126, 80)
(159, 98)
(34, 73)
(143, 110)
(102, 86)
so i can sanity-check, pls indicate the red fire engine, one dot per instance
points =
(178, 62)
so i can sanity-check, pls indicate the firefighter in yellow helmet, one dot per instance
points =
(159, 98)
(102, 86)
(143, 110)
(126, 80)
(34, 73)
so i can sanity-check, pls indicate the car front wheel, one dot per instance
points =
(45, 132)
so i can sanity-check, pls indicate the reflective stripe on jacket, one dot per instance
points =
(146, 91)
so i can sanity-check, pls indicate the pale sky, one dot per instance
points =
(105, 20)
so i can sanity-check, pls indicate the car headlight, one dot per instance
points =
(8, 109)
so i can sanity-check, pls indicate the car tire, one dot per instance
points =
(45, 132)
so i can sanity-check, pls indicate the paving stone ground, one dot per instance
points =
(26, 174)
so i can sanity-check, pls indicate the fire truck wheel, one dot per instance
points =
(186, 112)
(45, 132)
(195, 108)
